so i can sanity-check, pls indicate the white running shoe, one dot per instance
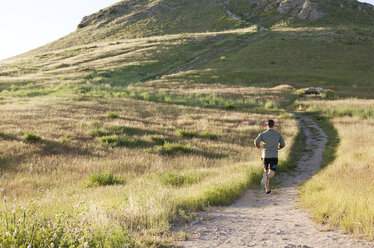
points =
(264, 179)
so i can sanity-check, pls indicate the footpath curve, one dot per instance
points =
(259, 220)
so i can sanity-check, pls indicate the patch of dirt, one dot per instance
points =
(260, 220)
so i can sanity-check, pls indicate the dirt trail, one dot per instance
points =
(259, 220)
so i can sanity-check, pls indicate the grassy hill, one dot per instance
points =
(149, 109)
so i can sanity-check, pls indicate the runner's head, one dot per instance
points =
(270, 123)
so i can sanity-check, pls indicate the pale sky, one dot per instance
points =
(28, 24)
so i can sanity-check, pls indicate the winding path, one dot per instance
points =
(259, 220)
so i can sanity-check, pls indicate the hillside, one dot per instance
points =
(147, 112)
(333, 51)
(135, 19)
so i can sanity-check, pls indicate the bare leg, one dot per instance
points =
(271, 174)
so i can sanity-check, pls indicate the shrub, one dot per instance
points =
(173, 148)
(186, 133)
(96, 124)
(81, 25)
(286, 116)
(66, 138)
(25, 227)
(179, 178)
(229, 105)
(270, 105)
(112, 140)
(116, 141)
(330, 94)
(209, 135)
(97, 133)
(301, 92)
(103, 179)
(160, 140)
(111, 114)
(31, 137)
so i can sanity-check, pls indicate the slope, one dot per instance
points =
(136, 125)
(135, 19)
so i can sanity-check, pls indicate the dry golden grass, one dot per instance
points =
(56, 168)
(362, 108)
(342, 194)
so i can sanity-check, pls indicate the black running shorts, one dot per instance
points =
(270, 163)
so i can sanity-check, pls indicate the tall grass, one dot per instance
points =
(339, 108)
(154, 170)
(26, 227)
(341, 195)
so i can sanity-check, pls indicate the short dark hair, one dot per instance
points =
(270, 123)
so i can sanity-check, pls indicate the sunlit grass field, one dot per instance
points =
(353, 107)
(125, 164)
(110, 143)
(341, 195)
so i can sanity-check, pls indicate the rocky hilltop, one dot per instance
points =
(303, 9)
(145, 18)
(129, 11)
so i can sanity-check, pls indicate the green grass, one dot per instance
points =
(103, 179)
(31, 137)
(25, 227)
(122, 141)
(187, 133)
(172, 149)
(112, 114)
(179, 178)
(340, 108)
(209, 135)
(66, 138)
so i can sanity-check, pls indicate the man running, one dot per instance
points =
(269, 142)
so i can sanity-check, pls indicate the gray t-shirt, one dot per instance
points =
(272, 142)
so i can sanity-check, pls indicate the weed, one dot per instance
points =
(112, 140)
(66, 138)
(209, 135)
(179, 178)
(103, 179)
(187, 133)
(229, 105)
(31, 137)
(187, 217)
(26, 227)
(172, 149)
(183, 235)
(121, 141)
(96, 124)
(97, 133)
(159, 140)
(111, 114)
(271, 105)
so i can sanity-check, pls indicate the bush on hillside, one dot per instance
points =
(179, 178)
(112, 114)
(31, 137)
(25, 227)
(186, 133)
(172, 148)
(103, 179)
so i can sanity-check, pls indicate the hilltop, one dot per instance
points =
(327, 44)
(135, 19)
